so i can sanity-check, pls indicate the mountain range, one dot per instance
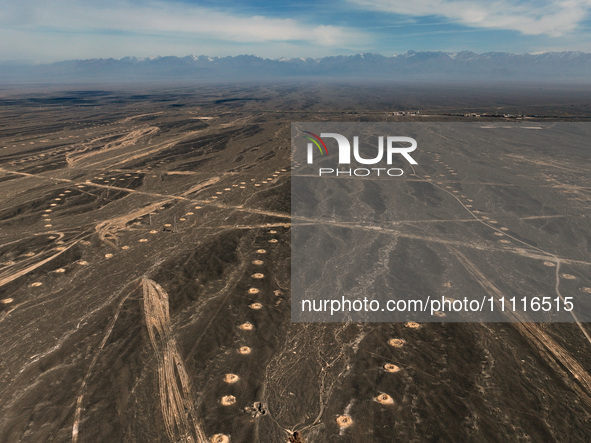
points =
(565, 67)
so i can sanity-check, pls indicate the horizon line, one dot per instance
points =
(217, 57)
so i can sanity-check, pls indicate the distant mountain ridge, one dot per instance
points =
(419, 66)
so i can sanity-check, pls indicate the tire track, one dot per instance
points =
(176, 401)
(81, 392)
(128, 140)
(555, 355)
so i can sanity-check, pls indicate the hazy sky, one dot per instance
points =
(42, 31)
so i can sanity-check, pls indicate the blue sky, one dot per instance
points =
(42, 31)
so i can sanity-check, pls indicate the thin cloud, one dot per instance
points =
(166, 19)
(531, 17)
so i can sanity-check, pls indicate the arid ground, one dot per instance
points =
(145, 275)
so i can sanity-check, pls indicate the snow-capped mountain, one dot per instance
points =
(411, 66)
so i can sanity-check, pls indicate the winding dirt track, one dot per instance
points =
(176, 401)
(7, 278)
(128, 140)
